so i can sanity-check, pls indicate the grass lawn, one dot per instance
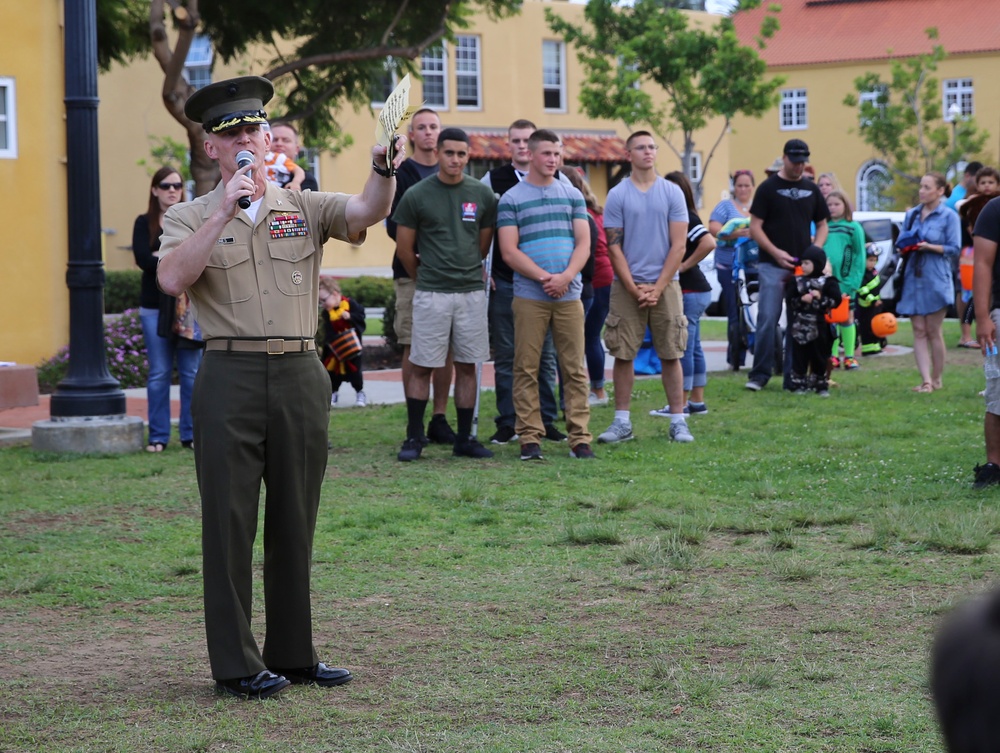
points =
(773, 586)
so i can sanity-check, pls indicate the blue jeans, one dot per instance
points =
(161, 353)
(736, 354)
(592, 327)
(693, 360)
(502, 342)
(772, 291)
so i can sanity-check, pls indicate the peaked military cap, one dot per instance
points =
(230, 103)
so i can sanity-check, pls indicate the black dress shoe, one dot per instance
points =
(262, 685)
(321, 674)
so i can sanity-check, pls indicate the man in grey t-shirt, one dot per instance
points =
(646, 221)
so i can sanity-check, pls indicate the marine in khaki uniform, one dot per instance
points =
(262, 398)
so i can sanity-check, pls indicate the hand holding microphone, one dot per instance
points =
(244, 159)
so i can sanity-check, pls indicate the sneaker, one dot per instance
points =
(754, 386)
(834, 362)
(531, 451)
(851, 363)
(334, 398)
(439, 432)
(361, 400)
(823, 393)
(695, 409)
(553, 434)
(619, 431)
(411, 450)
(470, 448)
(503, 435)
(582, 452)
(679, 432)
(663, 412)
(986, 475)
(594, 401)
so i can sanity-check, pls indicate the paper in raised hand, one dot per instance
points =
(396, 111)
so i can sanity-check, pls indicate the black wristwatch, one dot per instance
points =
(385, 172)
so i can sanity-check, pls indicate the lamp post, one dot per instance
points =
(954, 113)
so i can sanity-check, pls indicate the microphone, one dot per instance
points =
(243, 159)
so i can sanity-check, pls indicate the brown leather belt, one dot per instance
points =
(274, 346)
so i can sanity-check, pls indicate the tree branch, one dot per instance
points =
(395, 22)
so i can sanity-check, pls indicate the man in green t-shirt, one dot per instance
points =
(450, 216)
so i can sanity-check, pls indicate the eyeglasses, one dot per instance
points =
(171, 186)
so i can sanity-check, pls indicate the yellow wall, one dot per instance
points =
(832, 131)
(131, 111)
(34, 306)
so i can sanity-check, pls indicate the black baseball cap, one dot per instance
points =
(797, 150)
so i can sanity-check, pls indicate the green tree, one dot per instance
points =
(703, 71)
(323, 54)
(902, 119)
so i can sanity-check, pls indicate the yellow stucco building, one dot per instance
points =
(823, 46)
(34, 305)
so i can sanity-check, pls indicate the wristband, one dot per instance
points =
(385, 172)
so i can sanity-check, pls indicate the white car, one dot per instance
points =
(878, 232)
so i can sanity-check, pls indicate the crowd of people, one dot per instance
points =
(525, 265)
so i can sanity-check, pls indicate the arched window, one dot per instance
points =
(873, 185)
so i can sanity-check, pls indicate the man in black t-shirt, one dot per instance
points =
(985, 293)
(784, 208)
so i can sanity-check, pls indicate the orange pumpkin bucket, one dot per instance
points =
(966, 268)
(841, 313)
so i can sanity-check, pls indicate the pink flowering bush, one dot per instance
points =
(125, 353)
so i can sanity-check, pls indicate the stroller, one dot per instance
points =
(747, 287)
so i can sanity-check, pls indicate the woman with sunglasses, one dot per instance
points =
(725, 256)
(169, 337)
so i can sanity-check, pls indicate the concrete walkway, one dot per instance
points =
(381, 387)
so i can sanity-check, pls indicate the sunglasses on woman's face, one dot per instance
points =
(171, 186)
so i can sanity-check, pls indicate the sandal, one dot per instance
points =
(155, 447)
(924, 388)
(970, 344)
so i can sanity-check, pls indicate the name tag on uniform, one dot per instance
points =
(225, 241)
(287, 226)
(468, 211)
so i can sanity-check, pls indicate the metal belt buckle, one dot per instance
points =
(275, 347)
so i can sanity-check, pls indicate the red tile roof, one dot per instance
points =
(831, 31)
(577, 147)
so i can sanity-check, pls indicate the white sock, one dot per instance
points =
(624, 415)
(677, 418)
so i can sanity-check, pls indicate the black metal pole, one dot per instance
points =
(88, 389)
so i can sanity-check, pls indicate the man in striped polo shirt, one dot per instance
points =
(544, 237)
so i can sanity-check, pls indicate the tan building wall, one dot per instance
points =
(34, 306)
(131, 112)
(832, 132)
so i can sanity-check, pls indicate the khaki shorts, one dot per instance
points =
(625, 327)
(449, 321)
(403, 321)
(992, 393)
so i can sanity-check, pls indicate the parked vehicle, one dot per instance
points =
(878, 227)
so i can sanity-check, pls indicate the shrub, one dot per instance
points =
(125, 352)
(388, 323)
(121, 290)
(370, 292)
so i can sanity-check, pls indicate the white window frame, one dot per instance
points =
(865, 199)
(559, 85)
(793, 115)
(872, 96)
(197, 61)
(437, 73)
(694, 174)
(957, 91)
(8, 120)
(395, 80)
(469, 66)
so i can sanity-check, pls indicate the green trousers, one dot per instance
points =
(259, 418)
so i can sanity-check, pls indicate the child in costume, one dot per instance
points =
(845, 251)
(809, 295)
(283, 172)
(343, 325)
(870, 304)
